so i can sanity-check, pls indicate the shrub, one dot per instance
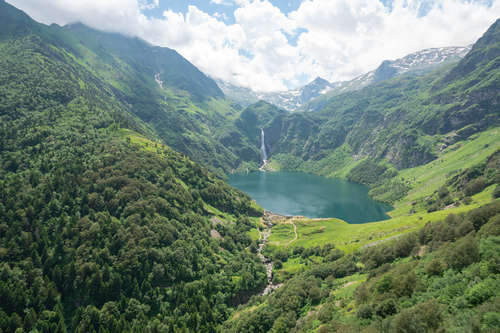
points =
(475, 186)
(386, 308)
(482, 291)
(463, 253)
(423, 317)
(434, 267)
(326, 313)
(365, 311)
(496, 192)
(385, 284)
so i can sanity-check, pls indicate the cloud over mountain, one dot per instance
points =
(266, 49)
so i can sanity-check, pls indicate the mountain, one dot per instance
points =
(108, 223)
(165, 64)
(241, 95)
(395, 124)
(178, 103)
(417, 63)
(184, 107)
(422, 281)
(288, 100)
(103, 227)
(411, 139)
(294, 99)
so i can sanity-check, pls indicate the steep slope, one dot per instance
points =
(241, 95)
(293, 99)
(401, 123)
(418, 63)
(444, 277)
(255, 117)
(166, 64)
(184, 107)
(103, 228)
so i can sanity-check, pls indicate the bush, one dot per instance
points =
(443, 191)
(326, 313)
(424, 317)
(492, 228)
(434, 268)
(463, 253)
(385, 284)
(475, 186)
(386, 308)
(365, 311)
(482, 291)
(496, 192)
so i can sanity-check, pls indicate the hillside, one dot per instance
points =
(430, 146)
(103, 227)
(181, 105)
(393, 125)
(443, 278)
(185, 108)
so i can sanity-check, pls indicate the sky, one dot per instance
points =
(273, 45)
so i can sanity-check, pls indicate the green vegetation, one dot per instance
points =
(377, 135)
(103, 227)
(444, 277)
(312, 233)
(176, 102)
(107, 224)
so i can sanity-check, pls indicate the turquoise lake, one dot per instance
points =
(296, 193)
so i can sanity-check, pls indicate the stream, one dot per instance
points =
(264, 235)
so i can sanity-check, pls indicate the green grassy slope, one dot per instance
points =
(185, 108)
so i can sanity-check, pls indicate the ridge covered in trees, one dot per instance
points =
(98, 233)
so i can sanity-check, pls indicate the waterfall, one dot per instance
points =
(263, 146)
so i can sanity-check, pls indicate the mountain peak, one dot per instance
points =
(319, 80)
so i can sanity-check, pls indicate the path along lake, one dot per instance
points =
(296, 193)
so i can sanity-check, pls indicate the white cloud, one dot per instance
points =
(338, 39)
(222, 2)
(351, 37)
(148, 5)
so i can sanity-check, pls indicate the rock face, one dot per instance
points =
(291, 100)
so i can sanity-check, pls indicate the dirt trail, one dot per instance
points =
(295, 231)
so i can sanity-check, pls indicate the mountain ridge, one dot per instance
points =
(417, 63)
